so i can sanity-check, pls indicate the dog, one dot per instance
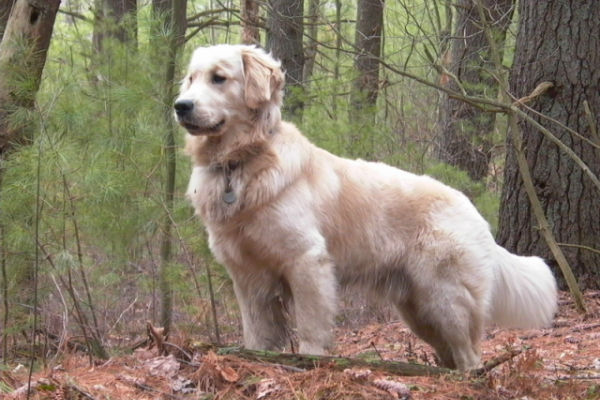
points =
(293, 224)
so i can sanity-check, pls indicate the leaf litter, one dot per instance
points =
(561, 362)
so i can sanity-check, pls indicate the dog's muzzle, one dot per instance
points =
(184, 111)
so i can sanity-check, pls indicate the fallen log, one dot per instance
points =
(306, 361)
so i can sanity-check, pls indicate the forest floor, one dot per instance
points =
(561, 362)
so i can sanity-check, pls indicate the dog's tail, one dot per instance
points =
(524, 294)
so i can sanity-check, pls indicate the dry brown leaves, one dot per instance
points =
(562, 362)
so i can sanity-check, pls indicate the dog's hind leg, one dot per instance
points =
(449, 320)
(261, 297)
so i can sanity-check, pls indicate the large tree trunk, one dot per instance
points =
(558, 41)
(285, 29)
(250, 22)
(22, 58)
(464, 140)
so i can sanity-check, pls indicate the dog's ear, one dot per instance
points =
(263, 78)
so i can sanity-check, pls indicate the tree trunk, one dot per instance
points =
(22, 58)
(311, 47)
(464, 140)
(116, 19)
(124, 13)
(363, 97)
(5, 6)
(285, 29)
(250, 22)
(558, 41)
(369, 23)
(159, 24)
(174, 15)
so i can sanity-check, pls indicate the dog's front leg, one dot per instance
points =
(261, 297)
(313, 285)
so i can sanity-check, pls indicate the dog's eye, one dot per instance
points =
(190, 79)
(218, 79)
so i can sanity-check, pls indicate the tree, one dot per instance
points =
(369, 23)
(250, 22)
(285, 29)
(22, 58)
(558, 42)
(313, 32)
(465, 130)
(5, 6)
(173, 16)
(115, 19)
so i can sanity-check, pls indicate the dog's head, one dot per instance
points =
(229, 87)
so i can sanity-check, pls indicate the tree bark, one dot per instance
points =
(369, 23)
(285, 28)
(22, 58)
(313, 32)
(115, 19)
(363, 96)
(250, 22)
(5, 6)
(464, 140)
(558, 41)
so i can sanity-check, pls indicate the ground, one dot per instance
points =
(561, 362)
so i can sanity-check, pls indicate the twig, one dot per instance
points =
(36, 265)
(96, 335)
(74, 14)
(540, 89)
(494, 362)
(65, 319)
(81, 391)
(580, 246)
(584, 377)
(143, 386)
(123, 313)
(286, 367)
(376, 350)
(591, 122)
(544, 226)
(185, 353)
(586, 327)
(156, 336)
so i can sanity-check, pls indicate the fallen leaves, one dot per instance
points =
(558, 363)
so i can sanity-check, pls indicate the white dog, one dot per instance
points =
(291, 221)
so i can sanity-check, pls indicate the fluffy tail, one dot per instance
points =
(524, 294)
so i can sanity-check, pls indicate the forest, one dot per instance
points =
(108, 288)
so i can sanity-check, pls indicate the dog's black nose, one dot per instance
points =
(183, 107)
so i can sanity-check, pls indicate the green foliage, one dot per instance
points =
(486, 201)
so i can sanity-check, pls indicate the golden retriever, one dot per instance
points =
(293, 224)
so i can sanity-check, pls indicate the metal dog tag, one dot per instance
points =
(229, 197)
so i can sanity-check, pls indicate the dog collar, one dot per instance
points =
(229, 196)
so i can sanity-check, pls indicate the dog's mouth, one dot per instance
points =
(195, 130)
